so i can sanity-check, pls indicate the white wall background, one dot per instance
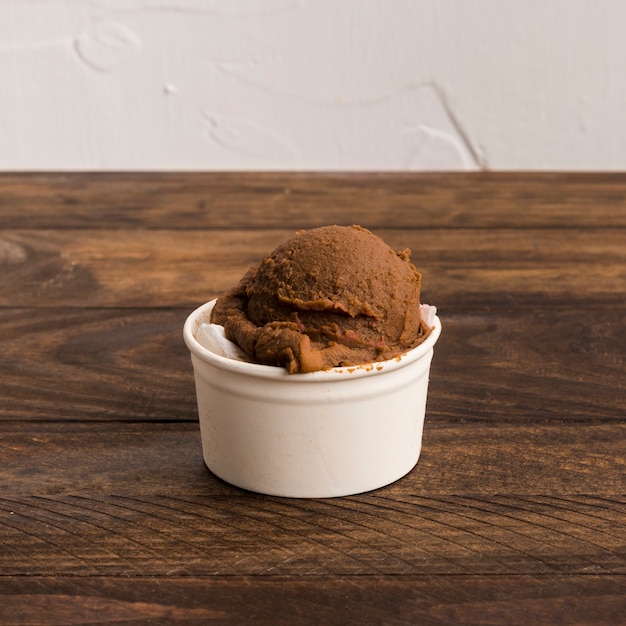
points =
(312, 84)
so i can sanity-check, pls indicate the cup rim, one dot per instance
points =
(201, 315)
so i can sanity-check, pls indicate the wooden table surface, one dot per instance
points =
(516, 511)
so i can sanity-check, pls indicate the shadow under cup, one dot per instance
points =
(315, 435)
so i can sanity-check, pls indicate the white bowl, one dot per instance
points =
(321, 434)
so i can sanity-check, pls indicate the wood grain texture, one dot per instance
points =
(480, 459)
(118, 364)
(516, 511)
(374, 534)
(558, 600)
(132, 364)
(247, 201)
(462, 268)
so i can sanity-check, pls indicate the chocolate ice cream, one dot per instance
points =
(327, 297)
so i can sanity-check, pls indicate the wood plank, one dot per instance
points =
(368, 535)
(132, 364)
(305, 200)
(461, 268)
(91, 364)
(152, 459)
(516, 511)
(275, 600)
(530, 365)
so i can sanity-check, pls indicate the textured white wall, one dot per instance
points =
(312, 85)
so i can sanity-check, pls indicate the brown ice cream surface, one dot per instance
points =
(328, 297)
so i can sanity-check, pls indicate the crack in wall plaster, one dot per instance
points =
(434, 149)
(435, 141)
(231, 69)
(477, 154)
(413, 122)
(471, 155)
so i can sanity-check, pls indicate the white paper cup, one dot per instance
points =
(315, 435)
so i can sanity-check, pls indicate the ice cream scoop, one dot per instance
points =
(327, 297)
